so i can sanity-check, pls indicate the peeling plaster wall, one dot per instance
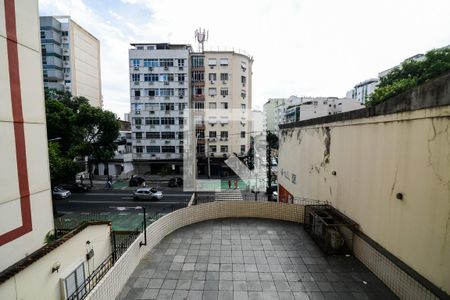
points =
(374, 159)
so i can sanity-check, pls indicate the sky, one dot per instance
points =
(299, 47)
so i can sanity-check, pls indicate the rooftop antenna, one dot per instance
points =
(201, 35)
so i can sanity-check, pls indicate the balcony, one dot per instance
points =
(220, 250)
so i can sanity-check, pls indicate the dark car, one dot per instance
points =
(176, 181)
(75, 187)
(136, 181)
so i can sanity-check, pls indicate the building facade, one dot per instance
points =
(159, 93)
(71, 58)
(363, 90)
(31, 267)
(270, 113)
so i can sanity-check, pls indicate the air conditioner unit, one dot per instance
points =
(167, 127)
(223, 124)
(138, 141)
(152, 126)
(166, 97)
(180, 82)
(167, 112)
(151, 83)
(181, 112)
(136, 68)
(151, 97)
(211, 154)
(138, 126)
(181, 142)
(181, 97)
(150, 68)
(136, 82)
(181, 68)
(153, 155)
(225, 155)
(138, 112)
(212, 81)
(224, 82)
(166, 68)
(212, 67)
(167, 142)
(152, 141)
(223, 95)
(166, 83)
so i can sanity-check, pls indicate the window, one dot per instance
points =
(166, 62)
(180, 149)
(224, 134)
(151, 77)
(212, 91)
(135, 77)
(212, 105)
(135, 63)
(180, 121)
(75, 280)
(212, 76)
(167, 106)
(152, 121)
(136, 106)
(137, 121)
(166, 92)
(243, 66)
(181, 106)
(243, 94)
(200, 133)
(137, 93)
(167, 121)
(151, 62)
(224, 61)
(138, 135)
(197, 91)
(242, 134)
(224, 76)
(181, 92)
(168, 135)
(180, 135)
(152, 92)
(139, 149)
(64, 33)
(213, 148)
(181, 62)
(168, 149)
(242, 148)
(243, 106)
(212, 134)
(224, 148)
(153, 149)
(181, 77)
(42, 34)
(212, 61)
(152, 135)
(224, 92)
(224, 105)
(243, 80)
(198, 76)
(199, 105)
(197, 61)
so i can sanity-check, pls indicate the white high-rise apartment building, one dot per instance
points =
(159, 93)
(71, 58)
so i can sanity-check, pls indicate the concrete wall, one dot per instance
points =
(85, 59)
(374, 159)
(25, 198)
(38, 282)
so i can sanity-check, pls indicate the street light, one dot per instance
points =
(55, 139)
(122, 208)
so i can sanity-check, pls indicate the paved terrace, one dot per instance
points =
(248, 259)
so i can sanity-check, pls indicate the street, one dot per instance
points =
(108, 201)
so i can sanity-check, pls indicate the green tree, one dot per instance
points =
(78, 130)
(410, 74)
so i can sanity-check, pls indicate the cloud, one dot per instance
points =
(302, 47)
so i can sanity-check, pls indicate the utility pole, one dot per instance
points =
(269, 174)
(208, 157)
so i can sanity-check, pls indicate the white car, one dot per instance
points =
(60, 193)
(147, 194)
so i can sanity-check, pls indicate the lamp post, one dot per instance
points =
(122, 208)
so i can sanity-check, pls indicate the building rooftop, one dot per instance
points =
(248, 258)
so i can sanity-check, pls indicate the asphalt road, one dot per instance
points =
(109, 201)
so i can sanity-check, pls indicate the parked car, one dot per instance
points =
(136, 181)
(75, 187)
(60, 193)
(147, 194)
(176, 181)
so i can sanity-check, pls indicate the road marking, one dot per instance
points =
(127, 198)
(115, 202)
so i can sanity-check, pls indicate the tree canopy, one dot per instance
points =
(411, 73)
(76, 129)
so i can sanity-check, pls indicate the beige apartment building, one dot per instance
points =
(71, 58)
